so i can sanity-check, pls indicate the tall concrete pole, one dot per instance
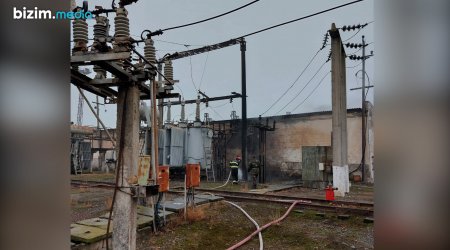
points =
(244, 112)
(339, 113)
(124, 222)
(363, 111)
(160, 101)
(154, 130)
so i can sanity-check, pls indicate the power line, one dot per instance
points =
(304, 87)
(221, 105)
(351, 67)
(203, 72)
(295, 20)
(211, 18)
(192, 78)
(292, 85)
(301, 18)
(216, 112)
(311, 92)
(181, 44)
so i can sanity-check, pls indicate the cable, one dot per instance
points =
(221, 105)
(261, 243)
(211, 18)
(216, 112)
(301, 18)
(311, 92)
(306, 85)
(192, 78)
(119, 164)
(203, 72)
(181, 44)
(354, 66)
(292, 85)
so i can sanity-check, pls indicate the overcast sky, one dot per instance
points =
(275, 58)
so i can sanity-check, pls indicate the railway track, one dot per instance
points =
(339, 207)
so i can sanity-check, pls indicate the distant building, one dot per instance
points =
(298, 149)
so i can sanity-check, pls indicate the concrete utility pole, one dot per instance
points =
(363, 111)
(124, 223)
(339, 112)
(160, 101)
(244, 112)
(154, 130)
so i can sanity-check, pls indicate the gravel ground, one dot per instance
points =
(88, 203)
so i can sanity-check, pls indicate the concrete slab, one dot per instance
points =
(96, 222)
(174, 206)
(143, 221)
(148, 211)
(86, 234)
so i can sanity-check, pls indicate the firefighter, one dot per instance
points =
(234, 165)
(253, 169)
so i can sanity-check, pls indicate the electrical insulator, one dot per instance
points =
(197, 109)
(122, 41)
(183, 112)
(344, 28)
(169, 113)
(80, 35)
(168, 70)
(150, 52)
(101, 33)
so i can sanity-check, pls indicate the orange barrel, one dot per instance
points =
(163, 178)
(192, 175)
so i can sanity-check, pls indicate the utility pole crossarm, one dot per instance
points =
(210, 99)
(187, 53)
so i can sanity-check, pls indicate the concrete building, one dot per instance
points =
(298, 144)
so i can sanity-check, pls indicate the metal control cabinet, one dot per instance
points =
(163, 178)
(192, 175)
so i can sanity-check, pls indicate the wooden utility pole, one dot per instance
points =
(124, 223)
(339, 114)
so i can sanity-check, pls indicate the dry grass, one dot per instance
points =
(195, 214)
